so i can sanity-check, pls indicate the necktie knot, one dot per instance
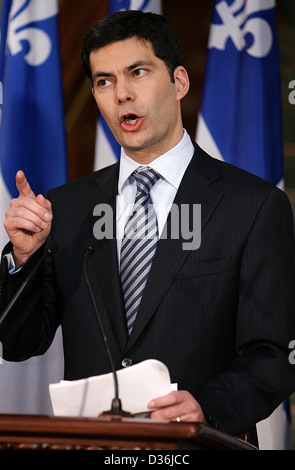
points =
(145, 178)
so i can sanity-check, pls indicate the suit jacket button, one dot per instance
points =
(126, 362)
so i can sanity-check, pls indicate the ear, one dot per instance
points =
(181, 82)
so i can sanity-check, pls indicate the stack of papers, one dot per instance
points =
(138, 384)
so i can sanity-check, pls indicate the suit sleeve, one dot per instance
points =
(261, 375)
(29, 327)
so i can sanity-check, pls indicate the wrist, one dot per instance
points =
(18, 261)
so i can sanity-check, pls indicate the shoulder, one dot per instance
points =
(233, 178)
(241, 190)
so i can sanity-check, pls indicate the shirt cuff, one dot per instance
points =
(11, 264)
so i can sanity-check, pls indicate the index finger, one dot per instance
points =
(22, 185)
(171, 398)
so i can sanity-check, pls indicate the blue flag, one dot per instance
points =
(33, 139)
(241, 116)
(107, 149)
(32, 132)
(240, 120)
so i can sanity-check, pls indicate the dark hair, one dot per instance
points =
(145, 26)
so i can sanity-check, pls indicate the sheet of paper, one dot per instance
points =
(138, 384)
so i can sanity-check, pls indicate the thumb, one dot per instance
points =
(23, 186)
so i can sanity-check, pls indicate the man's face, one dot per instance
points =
(134, 93)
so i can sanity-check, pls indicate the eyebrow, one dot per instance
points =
(139, 63)
(128, 68)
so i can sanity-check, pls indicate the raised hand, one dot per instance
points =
(27, 221)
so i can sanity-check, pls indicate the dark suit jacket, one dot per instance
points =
(220, 317)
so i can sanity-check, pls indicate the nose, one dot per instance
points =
(124, 92)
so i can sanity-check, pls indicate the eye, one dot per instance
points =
(103, 83)
(140, 72)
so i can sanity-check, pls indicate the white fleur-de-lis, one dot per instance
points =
(134, 5)
(22, 15)
(237, 25)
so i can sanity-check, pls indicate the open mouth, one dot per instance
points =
(131, 122)
(130, 119)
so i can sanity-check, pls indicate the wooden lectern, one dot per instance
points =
(19, 432)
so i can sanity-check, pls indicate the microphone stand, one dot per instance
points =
(116, 411)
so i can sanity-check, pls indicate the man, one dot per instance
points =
(220, 314)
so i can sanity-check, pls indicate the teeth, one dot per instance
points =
(131, 120)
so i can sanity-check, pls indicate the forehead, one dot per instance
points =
(121, 54)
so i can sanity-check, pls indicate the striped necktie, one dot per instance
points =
(139, 243)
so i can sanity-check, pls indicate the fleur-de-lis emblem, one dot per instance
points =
(22, 15)
(237, 25)
(131, 4)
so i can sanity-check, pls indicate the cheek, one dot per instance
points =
(166, 95)
(105, 109)
(102, 102)
(165, 107)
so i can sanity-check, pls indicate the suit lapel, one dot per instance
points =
(195, 188)
(104, 262)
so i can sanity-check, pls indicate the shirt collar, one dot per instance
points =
(178, 159)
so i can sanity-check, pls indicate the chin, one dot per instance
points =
(133, 145)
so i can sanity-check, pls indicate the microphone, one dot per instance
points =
(116, 407)
(49, 250)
